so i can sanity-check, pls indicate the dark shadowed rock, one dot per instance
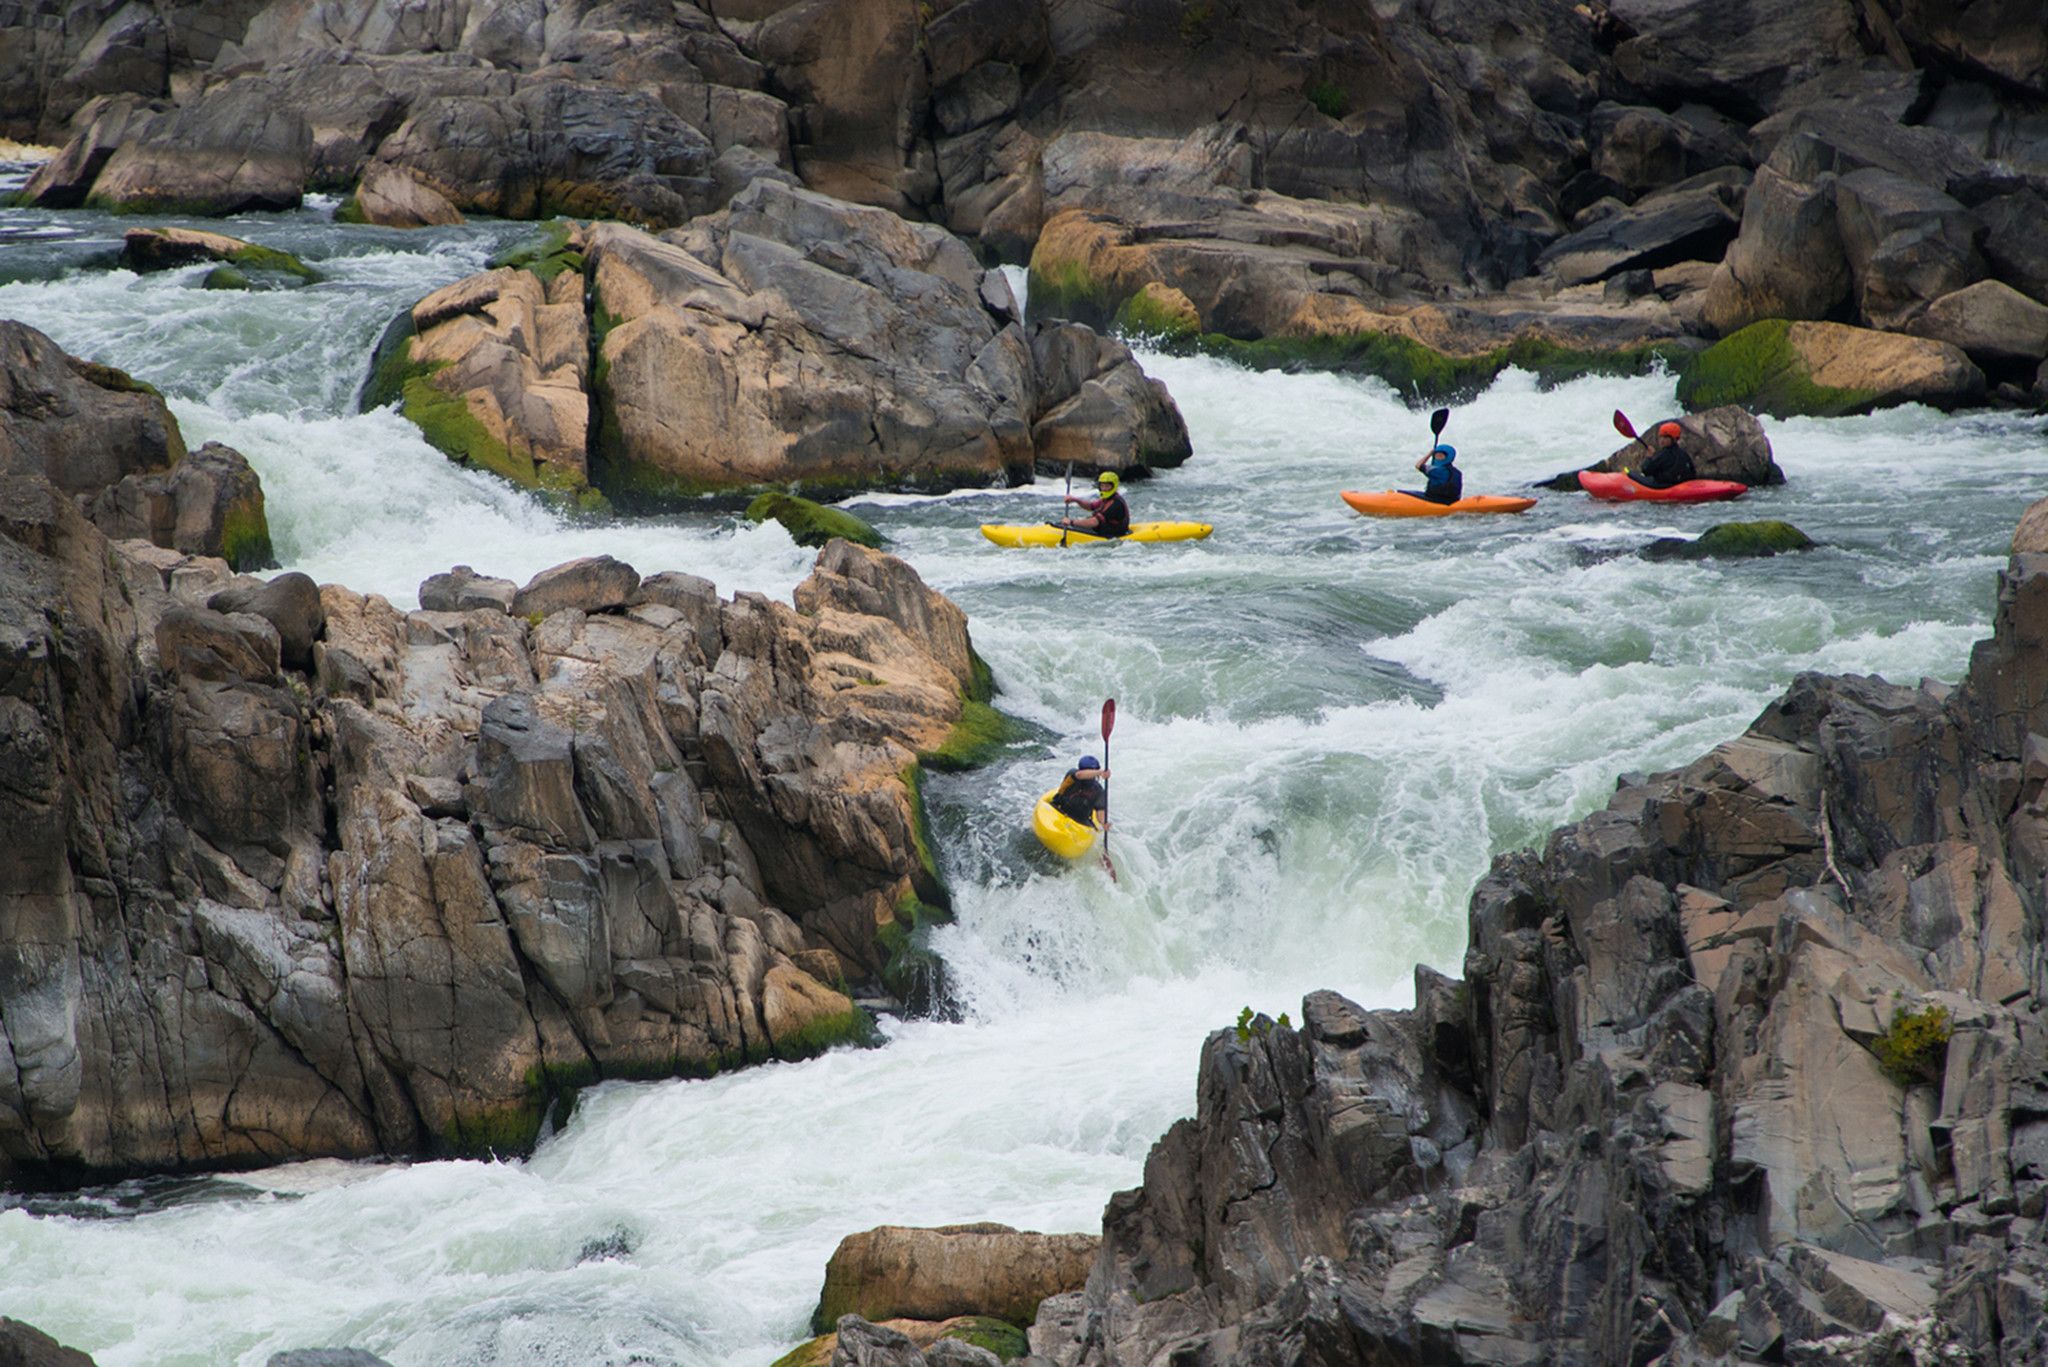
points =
(79, 425)
(24, 1345)
(1907, 244)
(596, 583)
(2015, 248)
(217, 647)
(209, 503)
(291, 603)
(1731, 541)
(325, 1357)
(1693, 224)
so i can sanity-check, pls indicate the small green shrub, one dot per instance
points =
(1915, 1047)
(1330, 99)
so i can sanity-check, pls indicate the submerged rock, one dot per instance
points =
(160, 249)
(1746, 1063)
(1730, 540)
(24, 1345)
(813, 524)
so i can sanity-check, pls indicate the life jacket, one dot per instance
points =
(1116, 517)
(1446, 483)
(1079, 799)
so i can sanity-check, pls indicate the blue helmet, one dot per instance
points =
(1449, 453)
(1089, 762)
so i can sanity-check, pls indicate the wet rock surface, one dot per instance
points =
(1746, 1066)
(296, 873)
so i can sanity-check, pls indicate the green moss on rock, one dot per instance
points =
(546, 255)
(1000, 1337)
(245, 535)
(1160, 315)
(269, 259)
(813, 524)
(113, 379)
(978, 737)
(226, 278)
(815, 1352)
(1758, 367)
(1732, 540)
(1066, 289)
(350, 211)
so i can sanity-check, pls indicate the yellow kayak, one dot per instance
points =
(1045, 534)
(1060, 833)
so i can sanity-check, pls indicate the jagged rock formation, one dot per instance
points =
(1747, 1067)
(1612, 181)
(110, 443)
(297, 873)
(790, 339)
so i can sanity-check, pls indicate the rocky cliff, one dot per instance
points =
(1427, 192)
(290, 872)
(1747, 1067)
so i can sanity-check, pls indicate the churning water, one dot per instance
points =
(1327, 727)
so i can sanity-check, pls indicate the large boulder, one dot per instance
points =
(1992, 322)
(209, 503)
(1828, 369)
(1693, 222)
(1907, 244)
(413, 878)
(80, 425)
(1095, 409)
(1725, 443)
(393, 198)
(895, 1272)
(494, 369)
(234, 150)
(24, 1345)
(2015, 248)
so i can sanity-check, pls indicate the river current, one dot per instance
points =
(1328, 726)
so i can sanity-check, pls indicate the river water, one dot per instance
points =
(1327, 727)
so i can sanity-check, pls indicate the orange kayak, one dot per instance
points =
(1394, 503)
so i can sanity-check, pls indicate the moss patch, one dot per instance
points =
(978, 737)
(226, 278)
(445, 421)
(273, 261)
(1759, 368)
(1000, 1337)
(981, 686)
(245, 536)
(1066, 289)
(813, 524)
(1915, 1047)
(113, 379)
(546, 255)
(812, 1353)
(1423, 375)
(1731, 540)
(1329, 99)
(1159, 315)
(854, 1027)
(350, 211)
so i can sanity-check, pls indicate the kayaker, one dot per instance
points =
(1668, 463)
(1445, 483)
(1108, 515)
(1081, 796)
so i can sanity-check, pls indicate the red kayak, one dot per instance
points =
(1619, 488)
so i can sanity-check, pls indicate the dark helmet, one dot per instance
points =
(1089, 762)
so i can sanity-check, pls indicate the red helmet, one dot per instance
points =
(1671, 430)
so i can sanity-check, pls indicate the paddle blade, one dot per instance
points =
(1108, 717)
(1623, 425)
(1437, 421)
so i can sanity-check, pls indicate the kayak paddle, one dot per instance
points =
(1065, 516)
(1108, 724)
(1624, 426)
(1437, 421)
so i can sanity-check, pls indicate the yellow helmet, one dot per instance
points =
(1107, 481)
